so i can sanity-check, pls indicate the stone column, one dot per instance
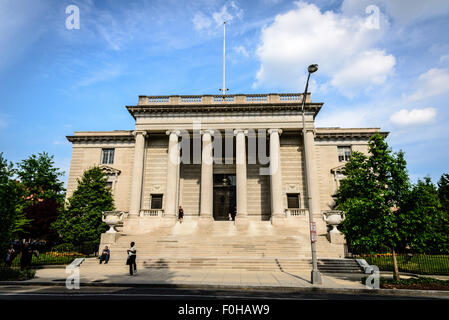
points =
(207, 178)
(172, 175)
(277, 207)
(313, 194)
(137, 177)
(242, 207)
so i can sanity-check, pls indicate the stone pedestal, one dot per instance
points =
(336, 237)
(107, 239)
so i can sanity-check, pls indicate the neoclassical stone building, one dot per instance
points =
(211, 154)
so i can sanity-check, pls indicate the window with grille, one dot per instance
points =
(344, 154)
(156, 201)
(293, 200)
(107, 156)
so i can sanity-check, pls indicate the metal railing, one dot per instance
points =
(411, 263)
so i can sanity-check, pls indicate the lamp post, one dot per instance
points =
(315, 276)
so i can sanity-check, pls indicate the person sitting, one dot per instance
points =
(105, 255)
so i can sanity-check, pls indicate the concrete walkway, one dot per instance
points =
(106, 274)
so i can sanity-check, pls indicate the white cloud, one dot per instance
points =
(227, 13)
(200, 21)
(406, 117)
(373, 65)
(444, 58)
(241, 50)
(402, 11)
(343, 47)
(431, 83)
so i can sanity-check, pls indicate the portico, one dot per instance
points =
(219, 155)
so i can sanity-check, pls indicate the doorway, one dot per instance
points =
(224, 196)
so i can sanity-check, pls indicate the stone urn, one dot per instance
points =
(333, 218)
(112, 219)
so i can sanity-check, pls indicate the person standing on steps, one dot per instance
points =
(180, 214)
(131, 261)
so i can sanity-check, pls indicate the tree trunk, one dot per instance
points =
(395, 266)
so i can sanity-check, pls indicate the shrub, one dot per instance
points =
(15, 274)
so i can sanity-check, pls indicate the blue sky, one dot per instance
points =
(382, 64)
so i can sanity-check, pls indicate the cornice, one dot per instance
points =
(101, 138)
(323, 136)
(314, 107)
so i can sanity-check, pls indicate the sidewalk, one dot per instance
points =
(105, 274)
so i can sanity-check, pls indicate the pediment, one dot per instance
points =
(338, 169)
(109, 170)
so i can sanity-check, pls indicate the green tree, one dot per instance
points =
(443, 192)
(374, 188)
(9, 198)
(43, 193)
(81, 220)
(424, 221)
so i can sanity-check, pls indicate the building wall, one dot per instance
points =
(190, 189)
(326, 155)
(292, 166)
(155, 168)
(87, 155)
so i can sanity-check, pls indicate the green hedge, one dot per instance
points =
(12, 274)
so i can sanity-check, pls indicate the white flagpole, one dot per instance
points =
(224, 57)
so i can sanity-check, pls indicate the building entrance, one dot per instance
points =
(224, 196)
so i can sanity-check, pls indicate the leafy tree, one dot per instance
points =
(374, 188)
(443, 192)
(81, 220)
(9, 197)
(424, 221)
(43, 193)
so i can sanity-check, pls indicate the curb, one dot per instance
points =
(374, 292)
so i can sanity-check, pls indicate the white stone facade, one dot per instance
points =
(150, 178)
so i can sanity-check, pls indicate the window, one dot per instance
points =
(107, 156)
(156, 201)
(109, 184)
(293, 200)
(344, 153)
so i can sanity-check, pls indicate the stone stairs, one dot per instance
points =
(339, 266)
(221, 245)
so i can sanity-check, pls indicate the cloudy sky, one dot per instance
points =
(383, 63)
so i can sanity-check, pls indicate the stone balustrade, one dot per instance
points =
(151, 212)
(229, 98)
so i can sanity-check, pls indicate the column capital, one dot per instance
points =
(270, 131)
(142, 132)
(169, 132)
(207, 131)
(237, 131)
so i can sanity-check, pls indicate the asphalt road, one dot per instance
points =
(9, 292)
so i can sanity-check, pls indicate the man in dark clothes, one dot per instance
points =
(26, 254)
(105, 255)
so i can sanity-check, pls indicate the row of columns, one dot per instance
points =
(206, 205)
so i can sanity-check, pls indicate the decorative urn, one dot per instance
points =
(333, 218)
(112, 219)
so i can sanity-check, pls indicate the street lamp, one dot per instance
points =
(315, 276)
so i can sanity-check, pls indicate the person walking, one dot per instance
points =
(131, 261)
(26, 254)
(180, 214)
(10, 256)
